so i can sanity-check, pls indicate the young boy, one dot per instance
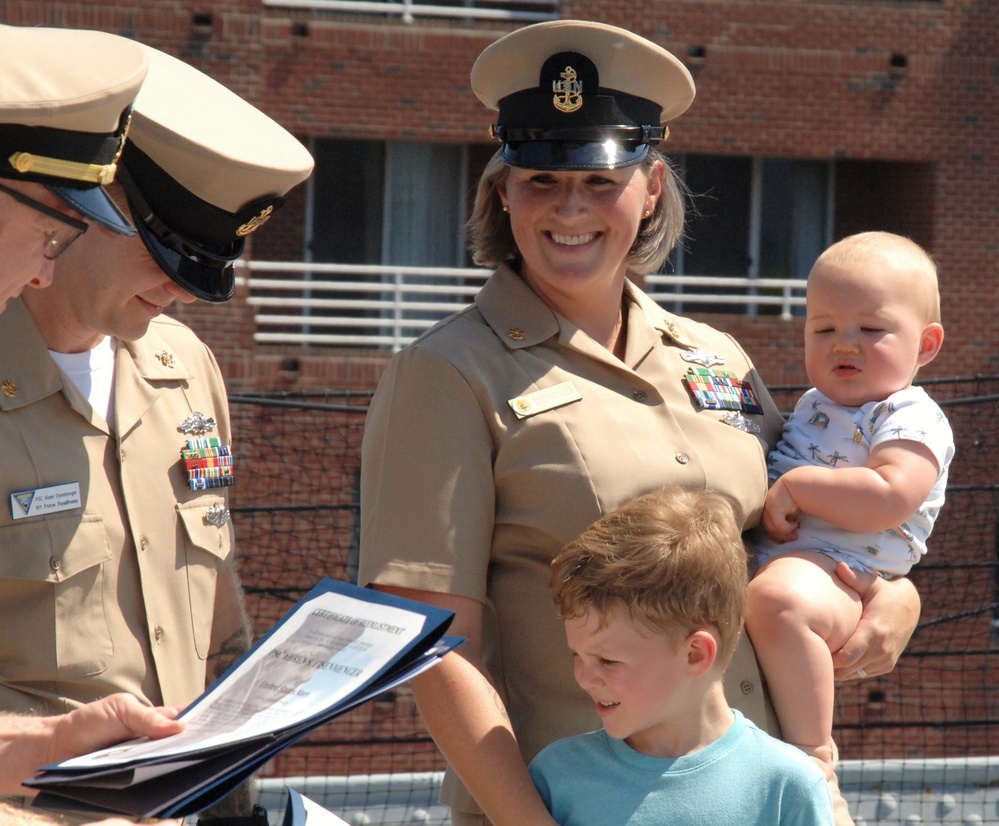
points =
(858, 476)
(652, 598)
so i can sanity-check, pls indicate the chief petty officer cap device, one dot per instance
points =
(65, 98)
(574, 94)
(203, 169)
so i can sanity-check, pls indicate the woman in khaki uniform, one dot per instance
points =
(562, 393)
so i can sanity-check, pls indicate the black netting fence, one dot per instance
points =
(295, 509)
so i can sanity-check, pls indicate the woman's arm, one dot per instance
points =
(891, 613)
(467, 719)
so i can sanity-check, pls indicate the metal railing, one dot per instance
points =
(356, 305)
(408, 10)
(916, 790)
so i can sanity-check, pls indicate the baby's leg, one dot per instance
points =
(797, 613)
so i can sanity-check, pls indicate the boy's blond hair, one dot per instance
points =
(674, 558)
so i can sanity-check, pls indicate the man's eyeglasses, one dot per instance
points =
(59, 239)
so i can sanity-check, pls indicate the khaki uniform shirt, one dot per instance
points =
(125, 592)
(460, 495)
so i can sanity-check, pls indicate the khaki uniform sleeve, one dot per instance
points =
(427, 489)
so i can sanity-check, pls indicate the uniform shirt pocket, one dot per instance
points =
(53, 588)
(207, 548)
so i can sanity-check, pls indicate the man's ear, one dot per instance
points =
(930, 343)
(702, 650)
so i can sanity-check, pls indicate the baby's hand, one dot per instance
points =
(780, 513)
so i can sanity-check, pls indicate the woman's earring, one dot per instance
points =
(506, 208)
(648, 212)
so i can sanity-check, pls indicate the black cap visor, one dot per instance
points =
(553, 155)
(96, 205)
(206, 276)
(193, 240)
(569, 121)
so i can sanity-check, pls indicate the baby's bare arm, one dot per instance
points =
(897, 479)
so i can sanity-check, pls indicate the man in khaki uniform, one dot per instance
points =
(124, 576)
(64, 104)
(64, 107)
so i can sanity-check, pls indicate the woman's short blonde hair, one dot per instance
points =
(491, 240)
(673, 558)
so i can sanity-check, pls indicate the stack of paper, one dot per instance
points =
(339, 647)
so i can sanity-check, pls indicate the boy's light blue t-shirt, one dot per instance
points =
(745, 778)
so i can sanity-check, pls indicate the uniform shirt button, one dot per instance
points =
(682, 458)
(158, 633)
(747, 687)
(55, 564)
(142, 542)
(639, 395)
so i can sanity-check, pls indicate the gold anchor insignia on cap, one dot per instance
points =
(166, 359)
(517, 333)
(9, 388)
(256, 222)
(568, 91)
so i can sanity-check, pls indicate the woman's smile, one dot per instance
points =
(572, 240)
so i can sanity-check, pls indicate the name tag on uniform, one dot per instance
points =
(65, 497)
(542, 400)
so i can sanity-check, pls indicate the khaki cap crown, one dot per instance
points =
(574, 94)
(63, 103)
(626, 62)
(203, 169)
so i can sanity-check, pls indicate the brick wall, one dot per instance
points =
(902, 92)
(911, 81)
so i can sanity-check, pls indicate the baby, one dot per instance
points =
(858, 476)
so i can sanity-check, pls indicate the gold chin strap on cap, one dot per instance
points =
(25, 162)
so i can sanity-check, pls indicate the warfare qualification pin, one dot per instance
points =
(702, 357)
(217, 515)
(740, 422)
(198, 424)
